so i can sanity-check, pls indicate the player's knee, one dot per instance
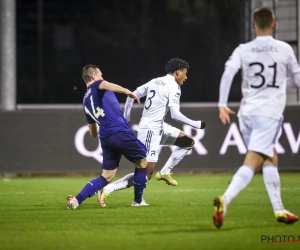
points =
(192, 143)
(110, 179)
(184, 141)
(142, 163)
(108, 176)
(188, 141)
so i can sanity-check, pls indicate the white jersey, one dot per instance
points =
(266, 63)
(162, 93)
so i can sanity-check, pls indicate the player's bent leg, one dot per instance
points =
(176, 156)
(185, 144)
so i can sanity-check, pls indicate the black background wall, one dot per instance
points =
(130, 40)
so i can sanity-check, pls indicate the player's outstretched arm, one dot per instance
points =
(178, 116)
(105, 85)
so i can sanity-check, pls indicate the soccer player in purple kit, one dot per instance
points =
(103, 109)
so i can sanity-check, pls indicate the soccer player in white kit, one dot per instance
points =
(163, 94)
(268, 66)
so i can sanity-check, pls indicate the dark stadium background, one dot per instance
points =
(130, 40)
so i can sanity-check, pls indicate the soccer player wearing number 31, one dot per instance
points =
(101, 107)
(268, 67)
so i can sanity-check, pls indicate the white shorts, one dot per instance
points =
(260, 133)
(152, 139)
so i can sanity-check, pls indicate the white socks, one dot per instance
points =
(126, 182)
(176, 156)
(122, 183)
(240, 180)
(243, 177)
(272, 183)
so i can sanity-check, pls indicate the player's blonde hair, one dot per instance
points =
(88, 71)
(263, 17)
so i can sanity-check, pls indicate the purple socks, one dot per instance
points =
(139, 182)
(91, 188)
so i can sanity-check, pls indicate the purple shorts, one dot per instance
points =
(118, 144)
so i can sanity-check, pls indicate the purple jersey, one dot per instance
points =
(102, 106)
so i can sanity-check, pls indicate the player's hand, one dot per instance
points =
(133, 96)
(224, 114)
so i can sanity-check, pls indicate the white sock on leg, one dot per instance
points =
(124, 182)
(272, 183)
(176, 156)
(240, 180)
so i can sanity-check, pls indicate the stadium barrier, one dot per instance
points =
(56, 141)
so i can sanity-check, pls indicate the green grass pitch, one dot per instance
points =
(33, 215)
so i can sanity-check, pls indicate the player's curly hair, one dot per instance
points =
(176, 64)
